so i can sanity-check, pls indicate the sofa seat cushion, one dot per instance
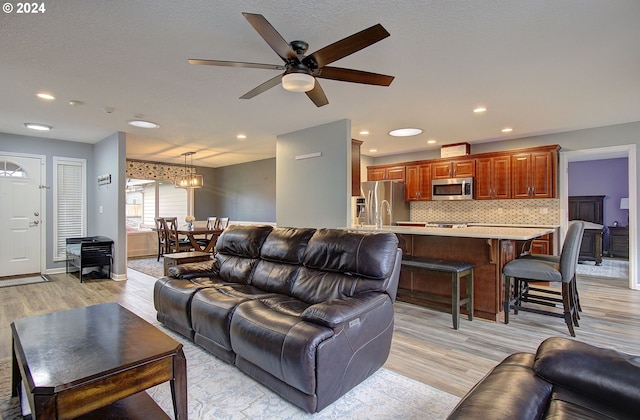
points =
(213, 308)
(172, 300)
(270, 333)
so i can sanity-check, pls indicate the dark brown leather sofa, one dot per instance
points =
(306, 312)
(565, 379)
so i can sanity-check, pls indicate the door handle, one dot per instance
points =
(34, 223)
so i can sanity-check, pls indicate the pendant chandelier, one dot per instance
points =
(189, 179)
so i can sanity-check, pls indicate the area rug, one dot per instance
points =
(149, 266)
(217, 390)
(617, 269)
(22, 281)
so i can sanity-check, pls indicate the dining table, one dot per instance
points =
(196, 234)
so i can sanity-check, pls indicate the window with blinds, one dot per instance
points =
(69, 202)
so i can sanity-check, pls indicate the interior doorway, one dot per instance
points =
(628, 151)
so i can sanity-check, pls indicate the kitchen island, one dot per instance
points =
(487, 248)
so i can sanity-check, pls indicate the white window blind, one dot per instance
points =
(69, 202)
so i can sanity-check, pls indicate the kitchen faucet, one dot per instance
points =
(380, 222)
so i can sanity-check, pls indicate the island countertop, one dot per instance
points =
(482, 232)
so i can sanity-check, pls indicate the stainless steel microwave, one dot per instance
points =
(452, 189)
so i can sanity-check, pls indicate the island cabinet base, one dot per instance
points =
(487, 255)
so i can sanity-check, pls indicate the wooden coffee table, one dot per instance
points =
(95, 360)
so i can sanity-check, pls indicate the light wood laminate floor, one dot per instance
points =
(425, 347)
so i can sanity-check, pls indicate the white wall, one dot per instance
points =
(314, 192)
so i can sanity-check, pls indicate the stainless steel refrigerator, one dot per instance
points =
(382, 203)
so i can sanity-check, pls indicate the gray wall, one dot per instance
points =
(110, 158)
(50, 148)
(244, 192)
(314, 192)
(204, 199)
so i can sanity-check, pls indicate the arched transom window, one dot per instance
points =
(12, 170)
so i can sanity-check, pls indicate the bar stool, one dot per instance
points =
(521, 272)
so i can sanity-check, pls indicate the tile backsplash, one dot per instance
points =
(520, 212)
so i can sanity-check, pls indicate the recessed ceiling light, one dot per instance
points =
(431, 141)
(241, 136)
(405, 132)
(38, 126)
(507, 130)
(46, 96)
(75, 102)
(480, 109)
(373, 150)
(143, 124)
(364, 133)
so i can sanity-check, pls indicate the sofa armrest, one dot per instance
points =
(188, 271)
(336, 312)
(511, 390)
(601, 374)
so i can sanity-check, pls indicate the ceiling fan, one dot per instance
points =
(300, 71)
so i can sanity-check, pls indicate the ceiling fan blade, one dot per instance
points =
(271, 36)
(345, 47)
(317, 95)
(354, 76)
(263, 87)
(235, 64)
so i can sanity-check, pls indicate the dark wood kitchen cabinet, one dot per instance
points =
(417, 185)
(533, 174)
(355, 167)
(493, 178)
(396, 173)
(464, 168)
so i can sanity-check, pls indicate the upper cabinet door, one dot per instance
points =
(533, 175)
(396, 173)
(454, 169)
(493, 178)
(418, 183)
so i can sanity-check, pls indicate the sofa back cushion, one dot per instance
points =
(280, 259)
(340, 263)
(238, 250)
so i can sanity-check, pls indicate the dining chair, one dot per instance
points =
(174, 242)
(212, 224)
(520, 273)
(162, 236)
(223, 222)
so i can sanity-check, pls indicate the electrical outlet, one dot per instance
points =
(100, 209)
(500, 210)
(544, 210)
(525, 210)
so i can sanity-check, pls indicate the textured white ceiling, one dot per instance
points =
(539, 66)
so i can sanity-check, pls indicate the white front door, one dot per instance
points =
(20, 215)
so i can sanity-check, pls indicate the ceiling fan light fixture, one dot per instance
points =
(298, 82)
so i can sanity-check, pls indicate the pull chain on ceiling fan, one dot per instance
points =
(300, 71)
